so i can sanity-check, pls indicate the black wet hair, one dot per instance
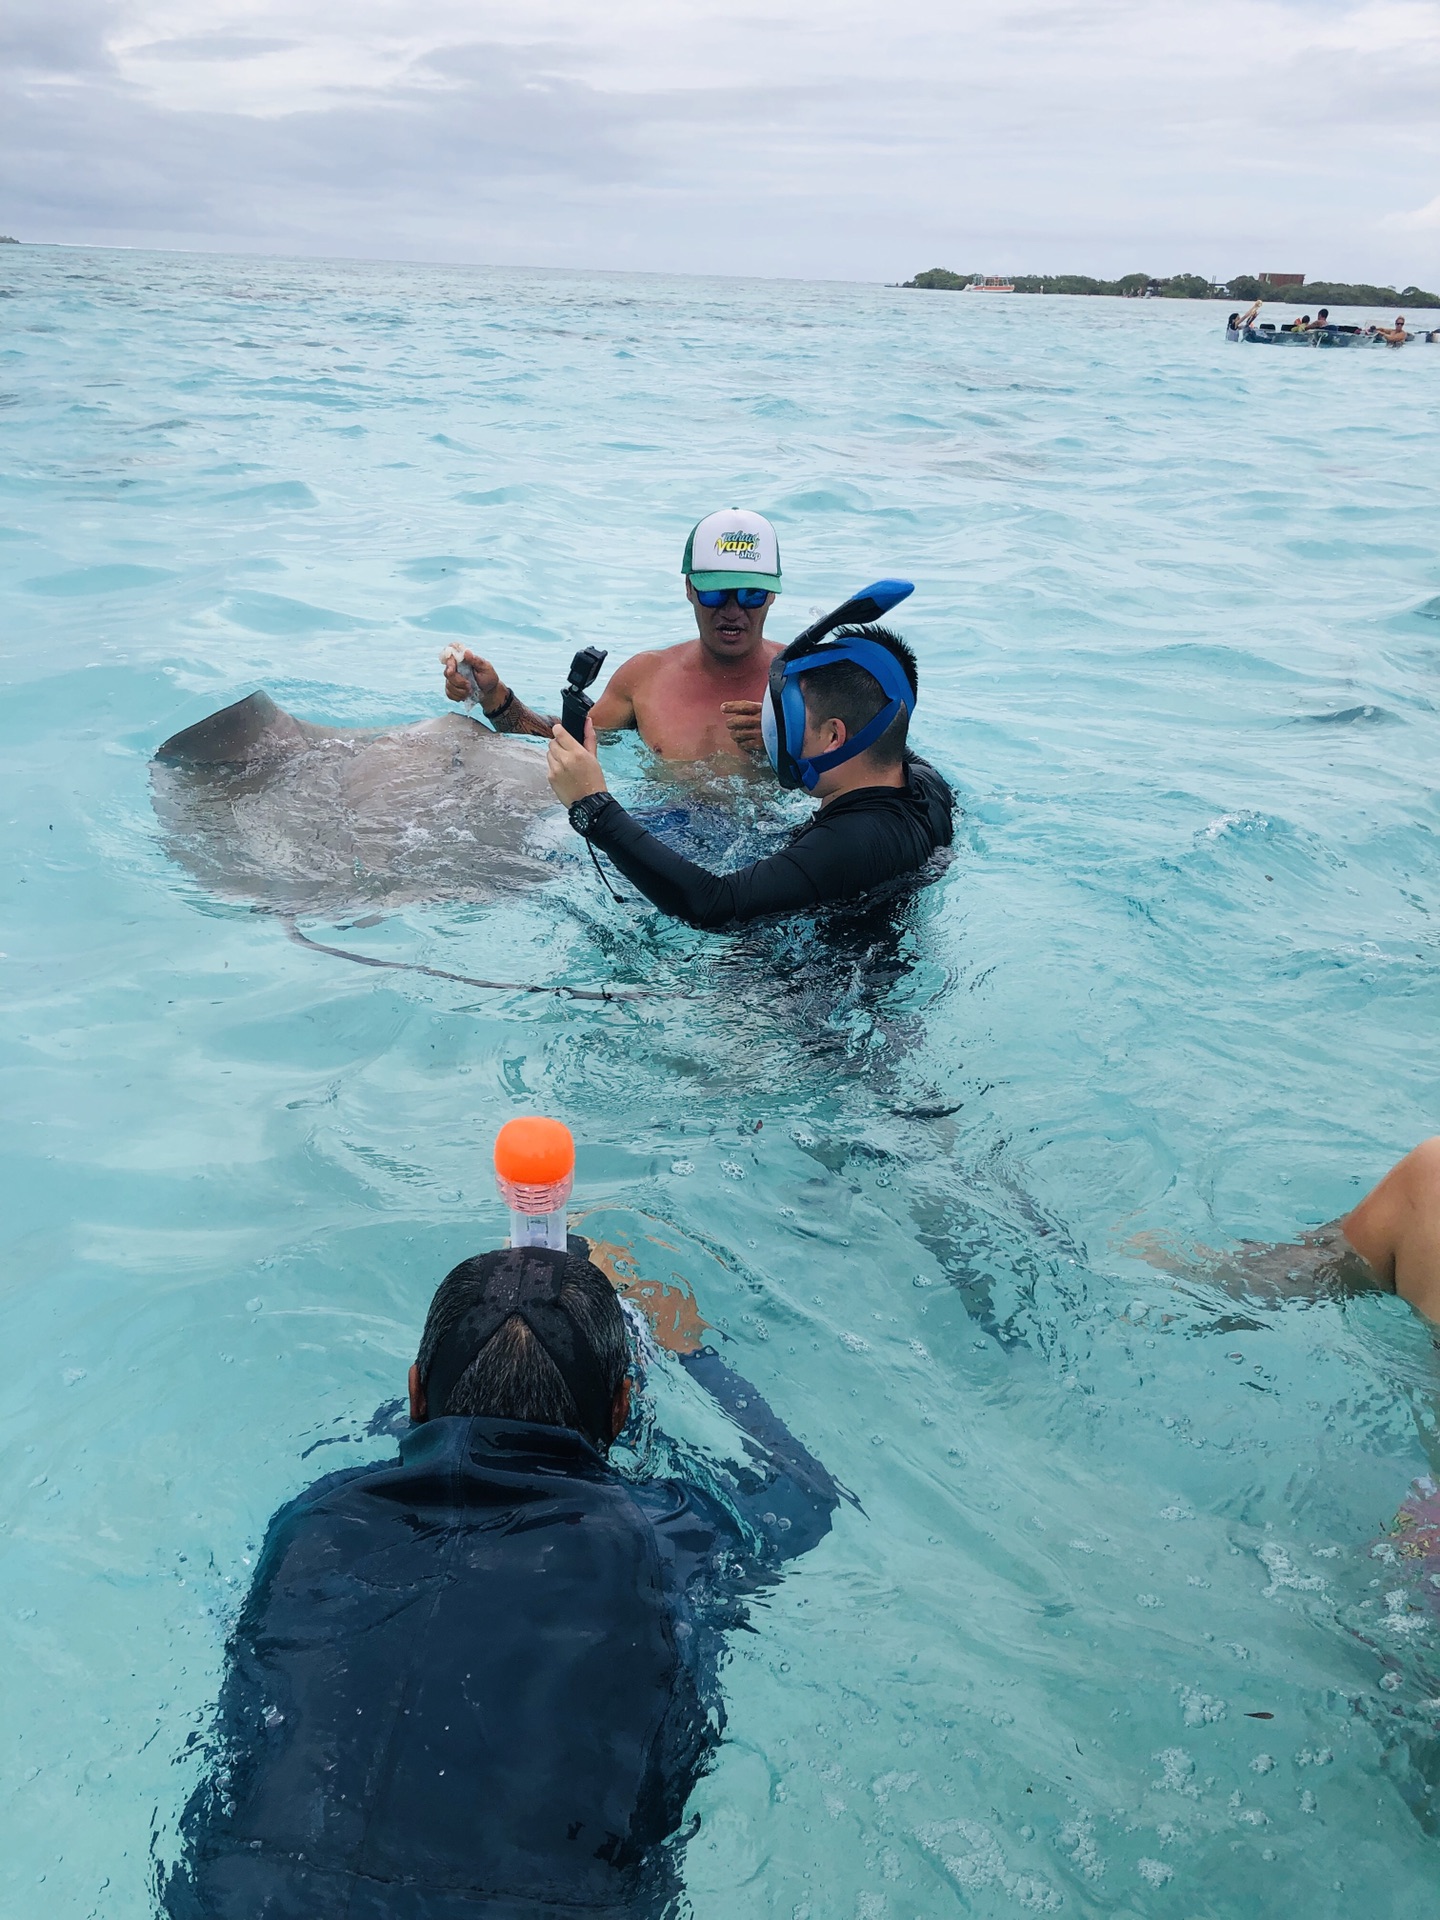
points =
(847, 692)
(512, 1377)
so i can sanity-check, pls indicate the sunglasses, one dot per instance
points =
(747, 597)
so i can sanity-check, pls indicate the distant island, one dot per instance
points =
(1194, 286)
(8, 240)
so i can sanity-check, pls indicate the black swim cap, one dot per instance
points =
(525, 1283)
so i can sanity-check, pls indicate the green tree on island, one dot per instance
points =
(1194, 286)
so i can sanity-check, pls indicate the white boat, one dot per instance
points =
(990, 283)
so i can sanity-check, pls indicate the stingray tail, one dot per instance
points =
(461, 979)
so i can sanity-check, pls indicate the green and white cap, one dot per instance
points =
(733, 548)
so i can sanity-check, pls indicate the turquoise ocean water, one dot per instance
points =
(1178, 612)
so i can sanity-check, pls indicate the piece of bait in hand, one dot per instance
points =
(450, 659)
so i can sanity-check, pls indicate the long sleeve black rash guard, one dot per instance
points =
(857, 842)
(479, 1680)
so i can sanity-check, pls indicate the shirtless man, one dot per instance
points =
(697, 700)
(1395, 336)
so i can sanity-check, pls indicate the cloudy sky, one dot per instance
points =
(849, 139)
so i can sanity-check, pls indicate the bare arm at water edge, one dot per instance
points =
(1396, 1228)
(1390, 1244)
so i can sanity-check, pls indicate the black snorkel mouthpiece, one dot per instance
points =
(575, 703)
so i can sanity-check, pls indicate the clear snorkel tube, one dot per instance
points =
(535, 1172)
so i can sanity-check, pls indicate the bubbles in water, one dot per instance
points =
(983, 1864)
(1201, 1709)
(1176, 1769)
(1283, 1573)
(1078, 1840)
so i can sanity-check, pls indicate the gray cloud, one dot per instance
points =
(1089, 136)
(45, 41)
(215, 46)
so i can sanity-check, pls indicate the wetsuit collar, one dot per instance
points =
(499, 1443)
(910, 790)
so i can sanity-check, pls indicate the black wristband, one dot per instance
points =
(585, 811)
(504, 706)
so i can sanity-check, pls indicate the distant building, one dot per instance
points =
(1282, 279)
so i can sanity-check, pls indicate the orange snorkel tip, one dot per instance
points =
(535, 1171)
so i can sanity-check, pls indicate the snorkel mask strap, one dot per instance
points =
(811, 770)
(525, 1284)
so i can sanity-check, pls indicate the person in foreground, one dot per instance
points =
(835, 720)
(480, 1679)
(698, 700)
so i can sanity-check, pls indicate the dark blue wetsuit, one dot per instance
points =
(480, 1680)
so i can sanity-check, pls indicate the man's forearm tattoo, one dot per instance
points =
(513, 716)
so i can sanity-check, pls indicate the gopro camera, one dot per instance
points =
(575, 703)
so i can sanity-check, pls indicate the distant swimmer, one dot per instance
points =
(680, 699)
(482, 1678)
(835, 720)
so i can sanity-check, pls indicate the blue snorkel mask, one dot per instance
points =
(782, 713)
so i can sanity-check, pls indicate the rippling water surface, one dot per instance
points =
(1109, 1636)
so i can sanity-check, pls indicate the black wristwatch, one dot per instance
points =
(585, 811)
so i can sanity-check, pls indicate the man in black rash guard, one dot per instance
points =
(883, 812)
(479, 1680)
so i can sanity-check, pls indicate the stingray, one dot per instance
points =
(304, 819)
